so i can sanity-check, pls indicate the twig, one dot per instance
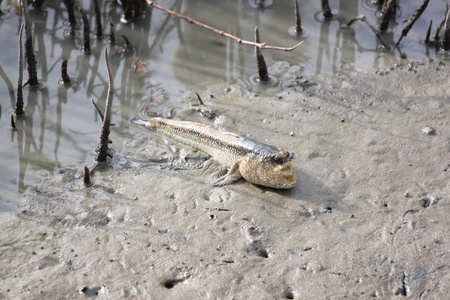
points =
(260, 61)
(364, 19)
(102, 150)
(220, 32)
(199, 99)
(413, 19)
(98, 109)
(127, 42)
(19, 101)
(100, 112)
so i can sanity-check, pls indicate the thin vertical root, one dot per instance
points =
(327, 14)
(388, 12)
(19, 101)
(98, 20)
(298, 21)
(112, 37)
(413, 19)
(446, 40)
(427, 38)
(64, 75)
(72, 21)
(13, 124)
(86, 31)
(87, 176)
(260, 62)
(29, 53)
(102, 150)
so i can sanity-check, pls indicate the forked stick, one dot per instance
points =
(222, 33)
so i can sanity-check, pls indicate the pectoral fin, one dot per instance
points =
(232, 176)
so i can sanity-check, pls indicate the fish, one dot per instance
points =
(256, 162)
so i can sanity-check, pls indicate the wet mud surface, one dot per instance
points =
(369, 216)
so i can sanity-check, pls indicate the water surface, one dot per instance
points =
(60, 127)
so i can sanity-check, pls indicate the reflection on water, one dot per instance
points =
(60, 127)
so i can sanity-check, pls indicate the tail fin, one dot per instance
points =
(139, 122)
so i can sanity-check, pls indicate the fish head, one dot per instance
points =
(275, 171)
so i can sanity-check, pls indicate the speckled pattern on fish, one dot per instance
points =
(256, 162)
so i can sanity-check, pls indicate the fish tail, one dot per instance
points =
(150, 124)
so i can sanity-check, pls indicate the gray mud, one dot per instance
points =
(369, 216)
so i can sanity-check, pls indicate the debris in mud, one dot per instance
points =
(139, 68)
(428, 130)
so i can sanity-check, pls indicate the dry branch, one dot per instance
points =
(220, 32)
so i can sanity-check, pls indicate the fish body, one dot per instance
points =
(256, 162)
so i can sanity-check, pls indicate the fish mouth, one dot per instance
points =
(289, 184)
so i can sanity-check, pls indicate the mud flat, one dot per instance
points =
(369, 216)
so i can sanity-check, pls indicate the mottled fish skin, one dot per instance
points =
(256, 162)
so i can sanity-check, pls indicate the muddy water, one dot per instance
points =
(60, 128)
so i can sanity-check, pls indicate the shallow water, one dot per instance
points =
(60, 128)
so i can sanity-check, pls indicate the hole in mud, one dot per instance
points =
(90, 292)
(168, 284)
(425, 202)
(289, 295)
(263, 253)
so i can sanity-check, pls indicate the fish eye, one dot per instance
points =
(276, 158)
